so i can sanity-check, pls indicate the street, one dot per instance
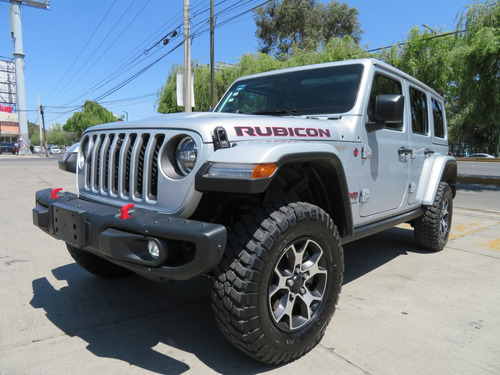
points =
(401, 310)
(489, 169)
(478, 197)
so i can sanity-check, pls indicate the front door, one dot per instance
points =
(385, 173)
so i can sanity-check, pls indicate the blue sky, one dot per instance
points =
(86, 49)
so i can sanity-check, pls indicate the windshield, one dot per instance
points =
(304, 92)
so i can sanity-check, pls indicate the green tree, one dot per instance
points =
(92, 114)
(427, 56)
(284, 26)
(58, 136)
(463, 66)
(478, 74)
(34, 133)
(336, 49)
(167, 95)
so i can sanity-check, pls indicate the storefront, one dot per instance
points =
(9, 125)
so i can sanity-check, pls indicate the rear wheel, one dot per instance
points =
(96, 265)
(433, 228)
(276, 290)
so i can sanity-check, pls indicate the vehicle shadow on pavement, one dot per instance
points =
(149, 325)
(157, 326)
(370, 253)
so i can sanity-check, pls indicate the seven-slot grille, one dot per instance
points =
(122, 164)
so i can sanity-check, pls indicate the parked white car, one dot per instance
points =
(479, 155)
(55, 150)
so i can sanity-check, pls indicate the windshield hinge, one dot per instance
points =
(366, 152)
(220, 138)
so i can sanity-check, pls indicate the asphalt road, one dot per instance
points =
(478, 197)
(478, 168)
(401, 311)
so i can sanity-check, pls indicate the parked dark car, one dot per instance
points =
(8, 147)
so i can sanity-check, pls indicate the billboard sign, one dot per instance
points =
(5, 108)
(7, 82)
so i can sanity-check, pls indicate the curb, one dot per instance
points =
(28, 156)
(479, 180)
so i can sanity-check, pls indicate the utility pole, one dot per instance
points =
(498, 144)
(40, 108)
(39, 118)
(17, 37)
(212, 58)
(187, 60)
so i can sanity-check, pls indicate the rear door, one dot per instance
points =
(420, 137)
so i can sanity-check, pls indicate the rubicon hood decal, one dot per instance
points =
(279, 131)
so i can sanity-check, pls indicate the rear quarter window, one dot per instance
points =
(438, 117)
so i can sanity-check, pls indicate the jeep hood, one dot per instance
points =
(240, 127)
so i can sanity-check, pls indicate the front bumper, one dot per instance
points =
(187, 248)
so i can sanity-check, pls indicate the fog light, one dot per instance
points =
(154, 249)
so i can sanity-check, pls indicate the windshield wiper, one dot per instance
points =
(278, 111)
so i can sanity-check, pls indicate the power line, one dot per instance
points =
(96, 49)
(130, 79)
(125, 64)
(118, 36)
(81, 51)
(141, 71)
(429, 38)
(121, 70)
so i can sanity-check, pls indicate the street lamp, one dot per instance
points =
(17, 38)
(428, 27)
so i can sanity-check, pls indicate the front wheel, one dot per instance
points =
(433, 228)
(276, 289)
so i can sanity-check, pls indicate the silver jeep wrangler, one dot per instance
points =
(261, 193)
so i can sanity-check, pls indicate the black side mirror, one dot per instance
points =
(68, 163)
(388, 108)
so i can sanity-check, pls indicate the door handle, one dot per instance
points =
(404, 150)
(405, 153)
(428, 152)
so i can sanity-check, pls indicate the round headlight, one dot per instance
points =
(186, 154)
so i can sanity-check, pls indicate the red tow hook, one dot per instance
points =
(53, 194)
(124, 211)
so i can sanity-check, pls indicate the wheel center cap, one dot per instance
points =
(295, 283)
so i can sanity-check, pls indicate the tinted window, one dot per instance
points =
(383, 85)
(419, 118)
(312, 91)
(438, 116)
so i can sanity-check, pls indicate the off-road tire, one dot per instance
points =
(433, 228)
(96, 265)
(258, 287)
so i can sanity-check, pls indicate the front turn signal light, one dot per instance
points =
(264, 170)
